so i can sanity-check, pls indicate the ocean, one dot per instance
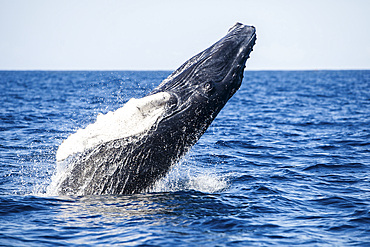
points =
(286, 162)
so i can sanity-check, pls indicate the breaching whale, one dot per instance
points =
(128, 150)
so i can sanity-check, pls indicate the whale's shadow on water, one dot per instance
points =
(127, 151)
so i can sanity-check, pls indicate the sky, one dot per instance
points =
(163, 34)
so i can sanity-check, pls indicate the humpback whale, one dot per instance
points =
(128, 150)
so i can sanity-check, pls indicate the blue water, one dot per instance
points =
(286, 162)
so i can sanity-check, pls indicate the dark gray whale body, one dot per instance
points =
(198, 91)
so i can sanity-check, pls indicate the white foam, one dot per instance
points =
(182, 177)
(135, 117)
(58, 177)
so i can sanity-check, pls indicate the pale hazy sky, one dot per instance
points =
(161, 35)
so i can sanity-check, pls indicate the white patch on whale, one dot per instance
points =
(134, 118)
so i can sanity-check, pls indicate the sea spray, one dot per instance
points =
(187, 176)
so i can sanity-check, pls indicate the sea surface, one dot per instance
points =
(286, 162)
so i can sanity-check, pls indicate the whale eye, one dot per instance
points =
(208, 86)
(172, 103)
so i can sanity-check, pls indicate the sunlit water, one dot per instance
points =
(286, 162)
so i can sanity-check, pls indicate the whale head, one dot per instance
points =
(201, 87)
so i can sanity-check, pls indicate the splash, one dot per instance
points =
(135, 117)
(59, 175)
(186, 177)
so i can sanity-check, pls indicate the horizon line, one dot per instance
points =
(169, 70)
